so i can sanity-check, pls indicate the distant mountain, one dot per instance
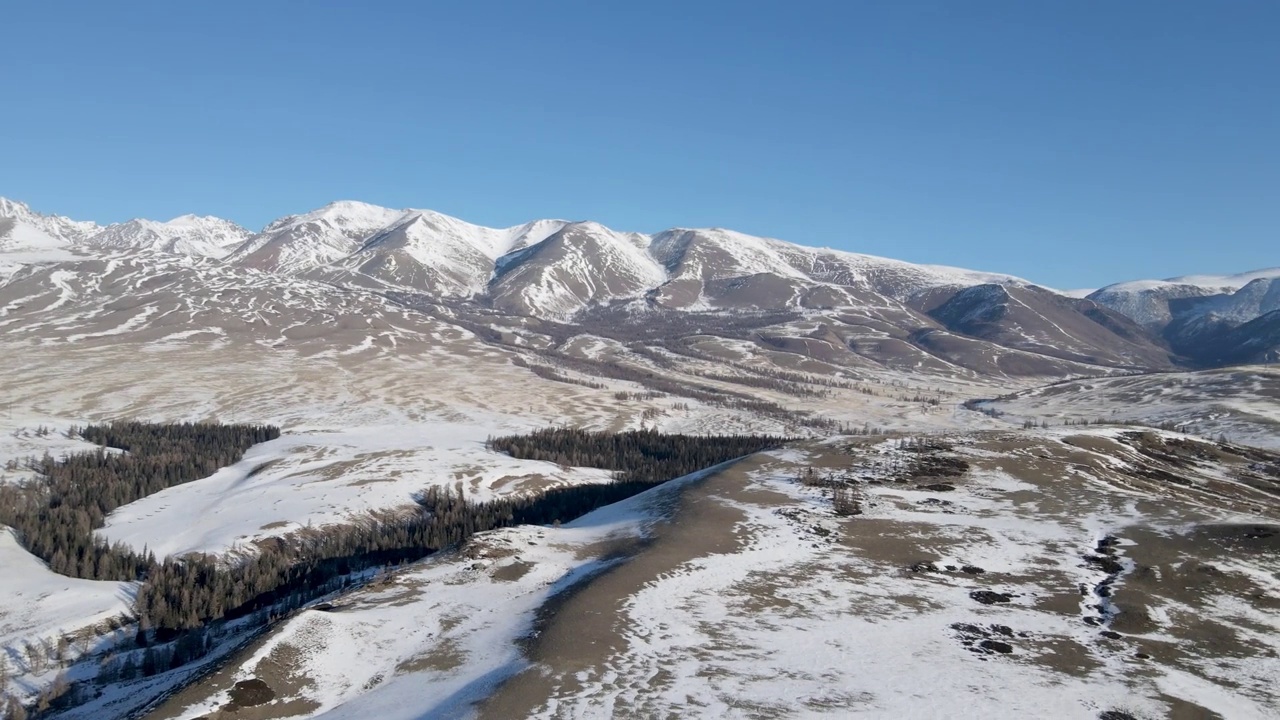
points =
(298, 243)
(439, 254)
(1035, 319)
(1196, 314)
(186, 235)
(1153, 303)
(558, 271)
(64, 230)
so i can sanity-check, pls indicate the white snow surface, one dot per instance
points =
(186, 235)
(422, 249)
(1214, 283)
(444, 604)
(1233, 282)
(38, 603)
(317, 477)
(838, 633)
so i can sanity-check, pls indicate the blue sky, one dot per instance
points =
(1072, 143)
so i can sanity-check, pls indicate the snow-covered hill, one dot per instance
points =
(186, 235)
(1154, 303)
(298, 243)
(55, 226)
(1209, 318)
(430, 252)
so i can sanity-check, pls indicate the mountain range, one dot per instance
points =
(567, 272)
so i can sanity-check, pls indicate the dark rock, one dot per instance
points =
(1112, 634)
(1002, 630)
(937, 487)
(972, 570)
(996, 646)
(1142, 656)
(248, 693)
(1104, 563)
(990, 597)
(924, 567)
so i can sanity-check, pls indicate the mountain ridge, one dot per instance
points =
(566, 271)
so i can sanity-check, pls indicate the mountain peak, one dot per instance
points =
(13, 208)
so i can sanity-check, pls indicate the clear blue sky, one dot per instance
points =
(1073, 143)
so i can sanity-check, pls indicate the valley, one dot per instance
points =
(987, 484)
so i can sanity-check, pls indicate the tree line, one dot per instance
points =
(180, 598)
(55, 514)
(182, 594)
(645, 456)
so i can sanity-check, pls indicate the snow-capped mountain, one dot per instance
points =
(1154, 303)
(439, 254)
(298, 243)
(1210, 318)
(550, 268)
(186, 235)
(580, 265)
(558, 270)
(64, 230)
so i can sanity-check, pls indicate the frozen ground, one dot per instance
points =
(1242, 403)
(312, 478)
(433, 639)
(761, 594)
(992, 598)
(39, 604)
(46, 617)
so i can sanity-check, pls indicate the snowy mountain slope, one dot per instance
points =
(438, 254)
(1031, 318)
(541, 267)
(186, 235)
(298, 243)
(61, 228)
(555, 270)
(1148, 305)
(1226, 282)
(1209, 319)
(16, 235)
(1254, 299)
(581, 264)
(1155, 303)
(23, 244)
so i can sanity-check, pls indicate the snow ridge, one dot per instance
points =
(557, 268)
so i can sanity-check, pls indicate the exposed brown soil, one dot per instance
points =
(581, 630)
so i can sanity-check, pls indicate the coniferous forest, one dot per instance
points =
(55, 516)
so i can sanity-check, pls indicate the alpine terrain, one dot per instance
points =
(373, 462)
